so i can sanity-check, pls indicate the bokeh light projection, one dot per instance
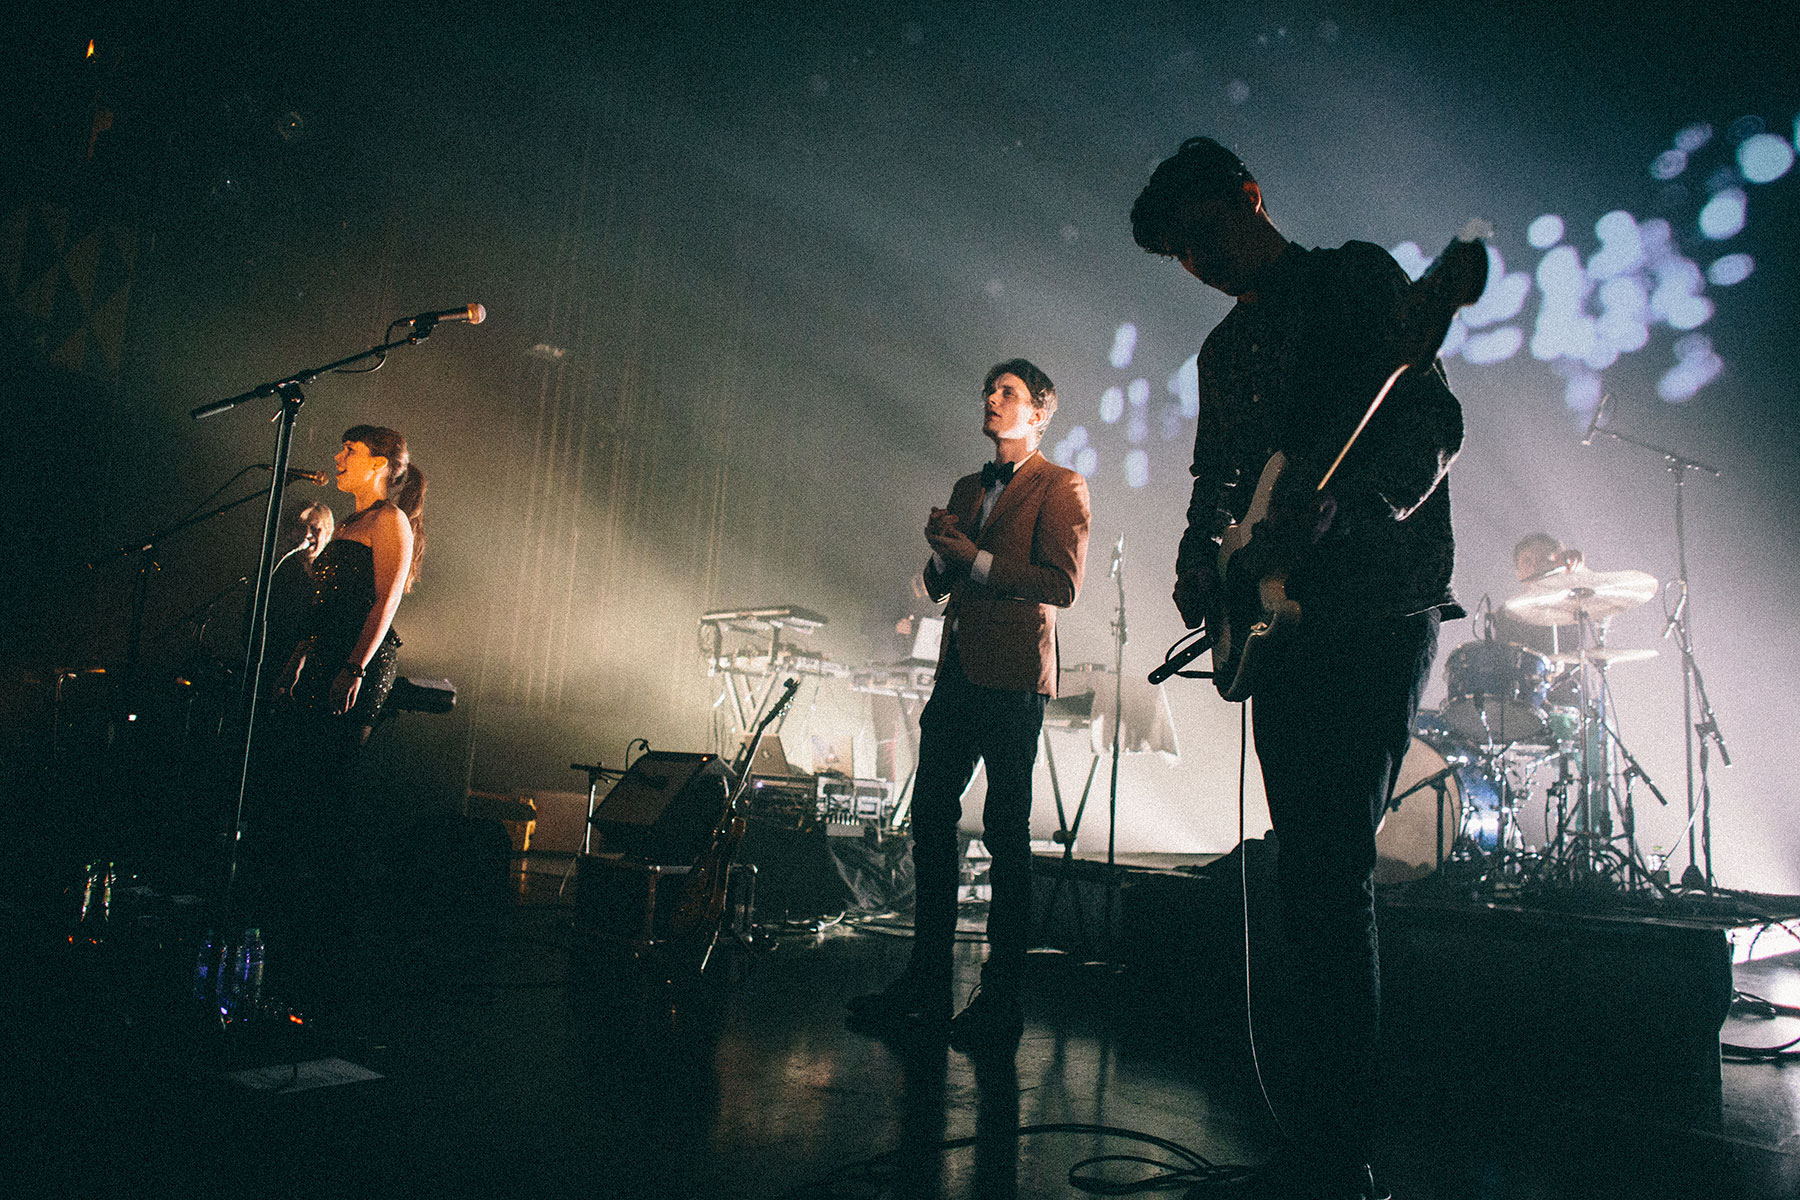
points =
(1593, 306)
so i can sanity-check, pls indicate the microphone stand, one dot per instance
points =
(1118, 721)
(288, 390)
(1699, 804)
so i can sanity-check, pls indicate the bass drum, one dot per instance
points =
(1406, 841)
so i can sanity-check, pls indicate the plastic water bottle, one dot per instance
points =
(250, 965)
(208, 969)
(240, 987)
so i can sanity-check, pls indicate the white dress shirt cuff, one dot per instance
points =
(984, 562)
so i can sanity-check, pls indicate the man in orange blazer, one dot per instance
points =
(1007, 552)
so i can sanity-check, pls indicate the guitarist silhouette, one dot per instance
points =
(1321, 406)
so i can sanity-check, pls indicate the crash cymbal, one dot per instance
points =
(1563, 597)
(1605, 656)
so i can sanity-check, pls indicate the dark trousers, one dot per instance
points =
(962, 724)
(1332, 724)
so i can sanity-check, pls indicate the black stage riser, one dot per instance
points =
(1509, 1002)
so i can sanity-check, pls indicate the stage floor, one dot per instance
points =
(497, 1054)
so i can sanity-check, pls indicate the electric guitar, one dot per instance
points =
(1250, 616)
(694, 925)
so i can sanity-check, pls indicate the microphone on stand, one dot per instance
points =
(1118, 554)
(296, 475)
(474, 314)
(1594, 422)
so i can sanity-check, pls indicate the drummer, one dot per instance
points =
(1539, 556)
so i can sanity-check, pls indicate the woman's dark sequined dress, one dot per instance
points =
(343, 595)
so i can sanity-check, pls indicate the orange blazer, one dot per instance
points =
(1005, 628)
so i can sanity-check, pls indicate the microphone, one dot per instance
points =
(296, 475)
(474, 314)
(1594, 422)
(1118, 553)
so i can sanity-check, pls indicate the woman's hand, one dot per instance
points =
(290, 674)
(343, 691)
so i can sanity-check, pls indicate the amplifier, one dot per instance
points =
(847, 805)
(784, 801)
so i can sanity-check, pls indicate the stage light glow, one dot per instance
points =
(1624, 321)
(1723, 216)
(1694, 137)
(1545, 232)
(1112, 404)
(1075, 453)
(1563, 330)
(1137, 468)
(1668, 165)
(1124, 345)
(1412, 260)
(1695, 366)
(1138, 392)
(1503, 297)
(1621, 246)
(1764, 157)
(1676, 299)
(1184, 384)
(1237, 92)
(1733, 268)
(1139, 428)
(1495, 345)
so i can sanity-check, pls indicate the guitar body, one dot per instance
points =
(694, 925)
(1252, 615)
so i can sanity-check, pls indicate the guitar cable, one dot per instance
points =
(1244, 893)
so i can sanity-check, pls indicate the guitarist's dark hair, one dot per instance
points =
(1043, 392)
(1201, 169)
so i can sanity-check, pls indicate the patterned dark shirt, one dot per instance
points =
(1292, 368)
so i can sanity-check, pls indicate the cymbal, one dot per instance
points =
(1605, 656)
(1564, 597)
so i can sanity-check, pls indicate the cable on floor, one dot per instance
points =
(878, 1175)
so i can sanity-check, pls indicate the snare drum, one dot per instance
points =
(1406, 842)
(1497, 692)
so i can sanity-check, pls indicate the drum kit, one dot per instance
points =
(1518, 726)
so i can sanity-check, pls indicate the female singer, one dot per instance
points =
(344, 665)
(323, 876)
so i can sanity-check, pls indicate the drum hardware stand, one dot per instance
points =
(1693, 687)
(1628, 811)
(1438, 782)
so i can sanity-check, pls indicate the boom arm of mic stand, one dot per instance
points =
(1680, 462)
(300, 379)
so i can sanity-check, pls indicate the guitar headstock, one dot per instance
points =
(1462, 269)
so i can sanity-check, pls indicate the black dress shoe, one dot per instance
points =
(992, 1023)
(911, 1003)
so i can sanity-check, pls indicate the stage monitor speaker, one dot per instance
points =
(664, 809)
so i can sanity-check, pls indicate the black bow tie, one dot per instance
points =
(993, 472)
